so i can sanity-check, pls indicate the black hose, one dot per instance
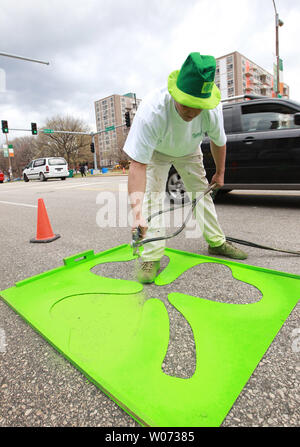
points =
(264, 247)
(136, 242)
(136, 234)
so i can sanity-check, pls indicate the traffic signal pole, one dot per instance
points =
(95, 155)
(9, 160)
(35, 131)
(24, 58)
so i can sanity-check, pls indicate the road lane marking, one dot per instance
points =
(78, 185)
(18, 204)
(89, 184)
(98, 188)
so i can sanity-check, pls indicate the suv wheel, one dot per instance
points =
(175, 188)
(42, 177)
(26, 179)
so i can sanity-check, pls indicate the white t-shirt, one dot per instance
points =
(157, 126)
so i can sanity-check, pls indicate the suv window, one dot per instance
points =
(57, 161)
(40, 162)
(260, 117)
(227, 114)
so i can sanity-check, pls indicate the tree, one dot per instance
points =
(74, 148)
(24, 151)
(120, 156)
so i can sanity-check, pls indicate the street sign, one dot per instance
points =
(10, 146)
(109, 128)
(11, 152)
(48, 130)
(5, 152)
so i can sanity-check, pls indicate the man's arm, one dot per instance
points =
(136, 190)
(219, 156)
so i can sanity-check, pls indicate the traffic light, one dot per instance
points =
(92, 148)
(4, 126)
(33, 129)
(127, 119)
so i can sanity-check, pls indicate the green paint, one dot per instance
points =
(119, 341)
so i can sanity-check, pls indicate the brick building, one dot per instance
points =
(110, 111)
(237, 75)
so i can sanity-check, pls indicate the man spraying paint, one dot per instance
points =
(167, 130)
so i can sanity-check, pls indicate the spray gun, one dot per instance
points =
(136, 237)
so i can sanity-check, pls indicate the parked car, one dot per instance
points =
(44, 168)
(1, 176)
(263, 147)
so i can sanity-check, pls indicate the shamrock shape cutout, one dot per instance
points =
(119, 336)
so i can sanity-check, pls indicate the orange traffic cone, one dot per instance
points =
(44, 231)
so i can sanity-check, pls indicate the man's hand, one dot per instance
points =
(142, 224)
(219, 156)
(136, 189)
(218, 179)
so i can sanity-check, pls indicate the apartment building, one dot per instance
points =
(237, 75)
(110, 111)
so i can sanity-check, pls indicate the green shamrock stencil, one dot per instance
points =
(118, 333)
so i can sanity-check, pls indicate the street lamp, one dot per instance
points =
(278, 23)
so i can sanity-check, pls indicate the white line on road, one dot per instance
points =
(18, 204)
(79, 185)
(55, 187)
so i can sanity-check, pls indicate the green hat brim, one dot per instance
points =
(189, 100)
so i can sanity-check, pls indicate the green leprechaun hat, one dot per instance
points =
(194, 85)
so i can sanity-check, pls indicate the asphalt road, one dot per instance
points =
(38, 387)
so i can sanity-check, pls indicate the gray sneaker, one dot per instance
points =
(228, 250)
(147, 271)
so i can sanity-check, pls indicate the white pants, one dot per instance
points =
(192, 172)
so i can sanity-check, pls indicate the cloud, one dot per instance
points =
(99, 47)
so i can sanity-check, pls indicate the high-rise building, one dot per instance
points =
(237, 75)
(110, 111)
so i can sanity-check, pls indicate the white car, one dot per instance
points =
(44, 168)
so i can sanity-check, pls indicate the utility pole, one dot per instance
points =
(278, 23)
(9, 160)
(24, 58)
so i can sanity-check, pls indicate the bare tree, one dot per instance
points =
(3, 163)
(24, 151)
(74, 148)
(120, 156)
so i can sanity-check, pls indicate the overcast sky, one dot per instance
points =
(101, 47)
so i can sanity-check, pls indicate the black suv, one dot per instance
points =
(263, 147)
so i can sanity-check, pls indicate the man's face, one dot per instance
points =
(187, 113)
